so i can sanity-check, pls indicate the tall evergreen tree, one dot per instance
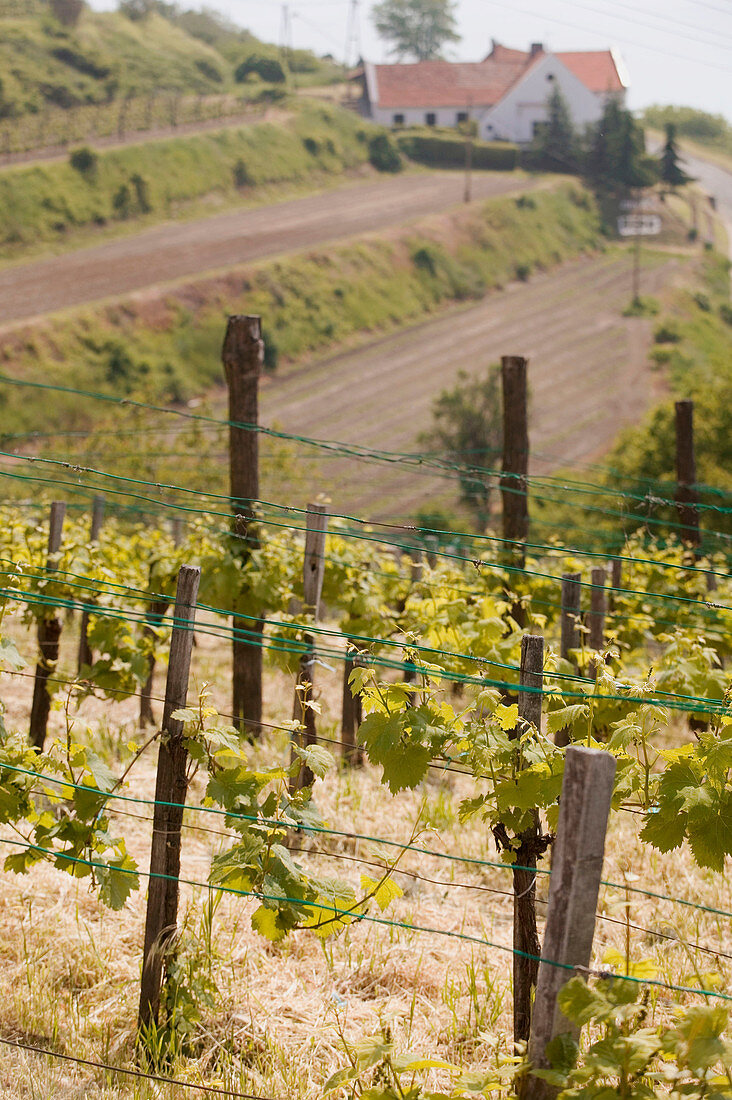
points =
(555, 146)
(671, 171)
(617, 158)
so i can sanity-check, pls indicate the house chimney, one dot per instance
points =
(536, 48)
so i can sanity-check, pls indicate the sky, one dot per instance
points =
(675, 51)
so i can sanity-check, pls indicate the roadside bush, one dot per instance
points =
(725, 312)
(268, 69)
(84, 160)
(384, 154)
(667, 333)
(447, 150)
(525, 202)
(142, 193)
(209, 70)
(122, 201)
(523, 272)
(702, 301)
(241, 175)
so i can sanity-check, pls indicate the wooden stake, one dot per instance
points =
(577, 860)
(170, 796)
(86, 657)
(525, 935)
(571, 597)
(598, 609)
(243, 356)
(687, 496)
(49, 636)
(352, 752)
(313, 570)
(514, 483)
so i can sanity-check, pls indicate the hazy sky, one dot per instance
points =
(676, 51)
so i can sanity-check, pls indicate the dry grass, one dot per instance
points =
(70, 972)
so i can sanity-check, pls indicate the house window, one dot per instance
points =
(398, 120)
(462, 116)
(550, 76)
(431, 118)
(538, 128)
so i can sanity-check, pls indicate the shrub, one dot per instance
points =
(725, 312)
(82, 63)
(268, 69)
(312, 146)
(209, 70)
(523, 271)
(271, 351)
(667, 333)
(84, 160)
(142, 193)
(447, 150)
(384, 154)
(702, 301)
(122, 201)
(241, 175)
(525, 202)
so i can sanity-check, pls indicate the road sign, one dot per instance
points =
(639, 225)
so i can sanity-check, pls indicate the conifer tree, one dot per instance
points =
(671, 171)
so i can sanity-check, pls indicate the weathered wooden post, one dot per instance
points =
(579, 849)
(352, 714)
(86, 657)
(170, 796)
(243, 356)
(313, 570)
(49, 636)
(570, 625)
(514, 483)
(525, 935)
(687, 495)
(598, 609)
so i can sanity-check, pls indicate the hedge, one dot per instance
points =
(447, 150)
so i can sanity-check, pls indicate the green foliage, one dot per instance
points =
(266, 68)
(707, 129)
(384, 154)
(84, 161)
(555, 147)
(446, 149)
(468, 432)
(416, 28)
(616, 158)
(671, 171)
(634, 1059)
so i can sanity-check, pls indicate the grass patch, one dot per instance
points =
(53, 202)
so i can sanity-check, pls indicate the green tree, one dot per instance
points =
(416, 28)
(137, 9)
(671, 171)
(467, 430)
(617, 158)
(555, 146)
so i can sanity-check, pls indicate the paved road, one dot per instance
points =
(179, 250)
(718, 182)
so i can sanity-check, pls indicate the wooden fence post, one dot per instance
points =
(514, 483)
(525, 936)
(589, 775)
(313, 569)
(352, 715)
(687, 496)
(570, 638)
(243, 356)
(170, 795)
(86, 657)
(49, 636)
(598, 609)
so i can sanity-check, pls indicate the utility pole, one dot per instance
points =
(468, 193)
(352, 54)
(635, 300)
(286, 40)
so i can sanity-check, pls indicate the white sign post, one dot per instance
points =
(638, 225)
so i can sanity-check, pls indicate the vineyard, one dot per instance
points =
(353, 846)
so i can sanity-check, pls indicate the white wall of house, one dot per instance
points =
(419, 116)
(515, 117)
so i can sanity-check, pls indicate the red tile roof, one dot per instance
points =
(446, 83)
(596, 69)
(482, 83)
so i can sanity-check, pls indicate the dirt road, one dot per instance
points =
(178, 250)
(589, 376)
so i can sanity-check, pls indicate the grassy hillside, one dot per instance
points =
(107, 55)
(711, 131)
(151, 181)
(167, 349)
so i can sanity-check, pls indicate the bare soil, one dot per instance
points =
(178, 250)
(589, 377)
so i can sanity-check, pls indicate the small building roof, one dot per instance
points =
(597, 69)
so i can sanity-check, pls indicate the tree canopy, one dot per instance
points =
(555, 147)
(416, 28)
(671, 171)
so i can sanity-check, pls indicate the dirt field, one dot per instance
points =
(176, 250)
(589, 377)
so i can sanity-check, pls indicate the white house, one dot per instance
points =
(506, 94)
